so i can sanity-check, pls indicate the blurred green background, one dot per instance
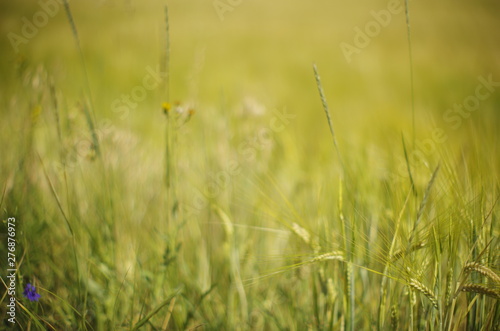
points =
(265, 51)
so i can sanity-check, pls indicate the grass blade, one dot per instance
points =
(143, 321)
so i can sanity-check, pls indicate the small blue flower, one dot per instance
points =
(30, 293)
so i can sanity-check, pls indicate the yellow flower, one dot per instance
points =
(166, 107)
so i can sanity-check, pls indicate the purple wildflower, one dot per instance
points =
(30, 293)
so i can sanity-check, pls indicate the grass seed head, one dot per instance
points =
(483, 270)
(416, 285)
(481, 289)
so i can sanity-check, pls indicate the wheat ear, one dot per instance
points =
(481, 289)
(416, 285)
(483, 270)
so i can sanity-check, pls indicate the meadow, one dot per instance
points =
(250, 165)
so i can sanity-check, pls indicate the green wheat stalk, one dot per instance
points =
(327, 112)
(89, 114)
(410, 55)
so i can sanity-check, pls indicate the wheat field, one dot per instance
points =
(250, 165)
